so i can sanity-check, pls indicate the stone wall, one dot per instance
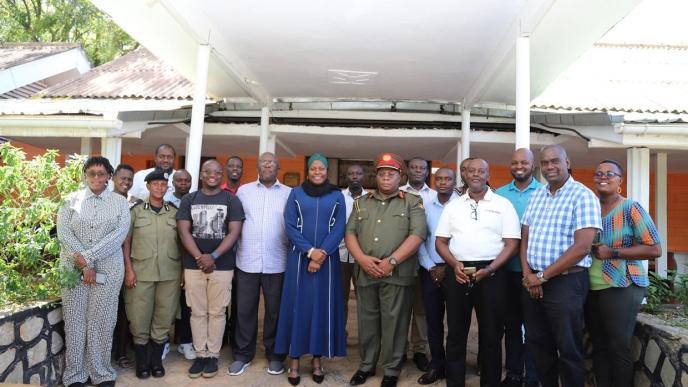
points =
(660, 353)
(32, 346)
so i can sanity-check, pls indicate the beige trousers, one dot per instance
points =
(208, 296)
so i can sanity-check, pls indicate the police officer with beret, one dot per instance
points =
(152, 275)
(383, 234)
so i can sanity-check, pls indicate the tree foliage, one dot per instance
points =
(68, 21)
(31, 192)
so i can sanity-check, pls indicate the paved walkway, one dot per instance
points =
(337, 371)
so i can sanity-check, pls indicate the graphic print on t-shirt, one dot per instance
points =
(208, 221)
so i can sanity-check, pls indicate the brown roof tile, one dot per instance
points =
(25, 91)
(136, 75)
(14, 54)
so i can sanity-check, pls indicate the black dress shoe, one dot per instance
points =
(512, 381)
(77, 384)
(294, 381)
(109, 383)
(360, 377)
(389, 381)
(421, 361)
(531, 384)
(431, 376)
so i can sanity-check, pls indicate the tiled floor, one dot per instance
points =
(338, 371)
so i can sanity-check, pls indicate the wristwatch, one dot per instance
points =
(393, 261)
(541, 276)
(616, 254)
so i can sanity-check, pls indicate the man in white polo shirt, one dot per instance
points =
(476, 235)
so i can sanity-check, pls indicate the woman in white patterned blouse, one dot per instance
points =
(91, 226)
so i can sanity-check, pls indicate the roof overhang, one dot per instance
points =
(461, 51)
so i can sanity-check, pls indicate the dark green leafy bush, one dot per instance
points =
(31, 192)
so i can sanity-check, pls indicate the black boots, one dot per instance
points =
(156, 359)
(142, 362)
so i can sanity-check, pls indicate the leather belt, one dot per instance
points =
(574, 269)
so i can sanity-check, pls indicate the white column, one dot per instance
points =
(193, 155)
(661, 210)
(638, 178)
(264, 145)
(522, 91)
(459, 159)
(86, 147)
(111, 148)
(638, 175)
(272, 139)
(465, 145)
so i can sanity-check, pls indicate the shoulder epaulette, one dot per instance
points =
(135, 204)
(412, 193)
(172, 205)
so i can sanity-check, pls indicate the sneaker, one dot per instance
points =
(197, 367)
(238, 367)
(187, 350)
(275, 367)
(165, 350)
(210, 369)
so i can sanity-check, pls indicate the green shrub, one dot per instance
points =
(659, 292)
(31, 192)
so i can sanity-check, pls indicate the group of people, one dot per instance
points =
(537, 262)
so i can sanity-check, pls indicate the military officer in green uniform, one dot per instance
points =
(383, 234)
(152, 274)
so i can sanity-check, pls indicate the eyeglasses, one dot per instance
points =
(474, 211)
(98, 175)
(608, 174)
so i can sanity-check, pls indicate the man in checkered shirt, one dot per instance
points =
(558, 229)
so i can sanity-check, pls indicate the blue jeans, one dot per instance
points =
(555, 329)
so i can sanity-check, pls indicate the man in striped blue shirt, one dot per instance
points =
(558, 228)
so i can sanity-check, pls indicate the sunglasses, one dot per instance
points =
(474, 211)
(608, 174)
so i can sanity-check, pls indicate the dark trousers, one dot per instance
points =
(248, 287)
(182, 326)
(610, 317)
(231, 324)
(122, 336)
(555, 330)
(488, 299)
(516, 354)
(433, 296)
(347, 280)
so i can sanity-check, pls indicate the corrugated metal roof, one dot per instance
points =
(25, 91)
(137, 75)
(14, 54)
(640, 78)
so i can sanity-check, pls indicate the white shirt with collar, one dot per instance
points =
(426, 193)
(170, 197)
(349, 201)
(139, 189)
(476, 230)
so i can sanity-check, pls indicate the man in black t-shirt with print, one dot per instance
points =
(209, 223)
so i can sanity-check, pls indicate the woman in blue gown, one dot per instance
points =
(311, 319)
